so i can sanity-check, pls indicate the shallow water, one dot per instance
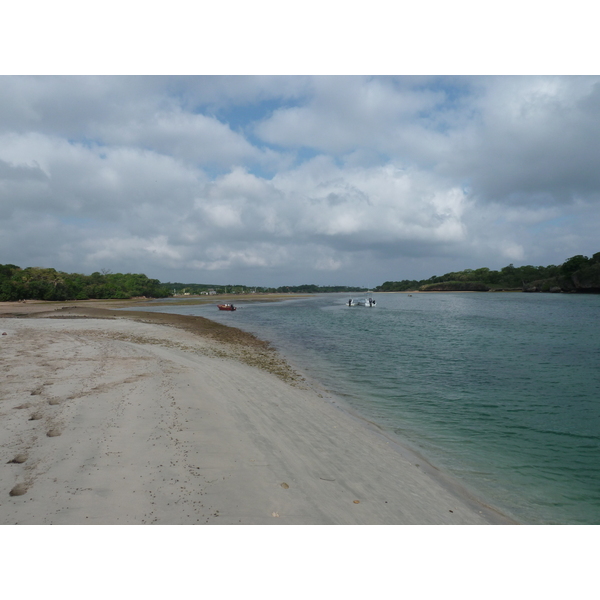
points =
(499, 390)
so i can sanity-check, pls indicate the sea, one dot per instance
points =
(500, 391)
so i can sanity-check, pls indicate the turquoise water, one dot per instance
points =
(502, 391)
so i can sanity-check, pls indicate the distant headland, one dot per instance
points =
(578, 274)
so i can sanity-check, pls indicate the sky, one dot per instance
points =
(286, 180)
(269, 144)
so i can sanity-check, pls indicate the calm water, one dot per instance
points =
(500, 390)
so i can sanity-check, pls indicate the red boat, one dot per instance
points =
(226, 306)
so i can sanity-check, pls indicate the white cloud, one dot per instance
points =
(513, 251)
(529, 138)
(192, 137)
(94, 181)
(346, 112)
(373, 206)
(110, 250)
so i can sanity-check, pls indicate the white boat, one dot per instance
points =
(370, 302)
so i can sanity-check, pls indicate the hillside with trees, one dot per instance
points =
(577, 274)
(35, 283)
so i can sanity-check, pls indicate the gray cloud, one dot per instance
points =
(533, 141)
(9, 172)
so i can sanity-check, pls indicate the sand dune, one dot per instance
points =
(119, 421)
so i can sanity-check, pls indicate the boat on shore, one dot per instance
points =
(226, 306)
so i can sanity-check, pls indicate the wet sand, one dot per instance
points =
(141, 418)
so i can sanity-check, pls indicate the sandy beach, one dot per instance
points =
(147, 418)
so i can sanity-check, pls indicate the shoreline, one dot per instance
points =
(316, 462)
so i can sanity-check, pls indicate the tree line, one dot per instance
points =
(35, 283)
(578, 273)
(509, 277)
(203, 288)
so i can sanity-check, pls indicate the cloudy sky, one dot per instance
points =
(275, 180)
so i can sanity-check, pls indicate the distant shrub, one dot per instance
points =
(455, 286)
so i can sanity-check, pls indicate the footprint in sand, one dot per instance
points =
(18, 459)
(53, 402)
(54, 433)
(18, 490)
(36, 416)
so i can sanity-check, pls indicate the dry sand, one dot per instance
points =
(141, 418)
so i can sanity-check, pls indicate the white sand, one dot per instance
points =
(158, 425)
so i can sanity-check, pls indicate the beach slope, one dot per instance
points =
(121, 420)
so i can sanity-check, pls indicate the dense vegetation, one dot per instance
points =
(578, 273)
(34, 283)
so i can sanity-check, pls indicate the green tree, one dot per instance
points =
(574, 264)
